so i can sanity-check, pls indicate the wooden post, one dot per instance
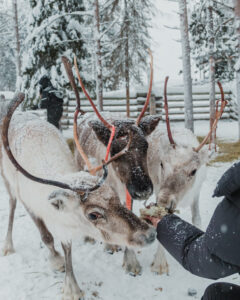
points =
(152, 105)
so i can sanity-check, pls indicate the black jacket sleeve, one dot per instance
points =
(214, 254)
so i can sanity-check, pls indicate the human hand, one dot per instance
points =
(153, 220)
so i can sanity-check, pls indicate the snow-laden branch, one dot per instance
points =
(171, 27)
(225, 5)
(107, 29)
(224, 23)
(51, 20)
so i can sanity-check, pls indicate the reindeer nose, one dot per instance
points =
(140, 194)
(144, 195)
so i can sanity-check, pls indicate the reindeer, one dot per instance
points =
(177, 167)
(130, 171)
(70, 205)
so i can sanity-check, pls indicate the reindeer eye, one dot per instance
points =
(94, 216)
(193, 172)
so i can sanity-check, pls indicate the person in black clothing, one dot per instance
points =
(216, 253)
(51, 100)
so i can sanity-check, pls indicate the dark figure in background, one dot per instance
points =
(216, 253)
(51, 100)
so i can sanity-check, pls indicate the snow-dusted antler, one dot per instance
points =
(17, 100)
(167, 117)
(149, 90)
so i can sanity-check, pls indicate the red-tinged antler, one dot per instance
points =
(92, 170)
(149, 91)
(167, 117)
(109, 126)
(68, 69)
(223, 103)
(214, 126)
(221, 90)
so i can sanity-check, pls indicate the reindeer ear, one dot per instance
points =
(149, 123)
(61, 200)
(102, 132)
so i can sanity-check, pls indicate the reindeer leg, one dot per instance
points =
(160, 265)
(8, 245)
(56, 260)
(196, 219)
(71, 290)
(130, 263)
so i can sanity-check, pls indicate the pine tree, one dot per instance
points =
(54, 30)
(7, 55)
(224, 51)
(130, 43)
(12, 34)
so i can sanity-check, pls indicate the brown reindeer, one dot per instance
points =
(129, 171)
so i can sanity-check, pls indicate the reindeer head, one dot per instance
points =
(100, 215)
(132, 166)
(180, 169)
(183, 159)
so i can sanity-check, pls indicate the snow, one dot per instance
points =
(26, 275)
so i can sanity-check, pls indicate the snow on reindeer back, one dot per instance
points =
(39, 146)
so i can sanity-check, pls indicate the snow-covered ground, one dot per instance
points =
(26, 274)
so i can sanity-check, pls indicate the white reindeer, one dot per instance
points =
(177, 167)
(80, 206)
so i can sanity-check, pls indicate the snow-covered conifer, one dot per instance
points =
(55, 29)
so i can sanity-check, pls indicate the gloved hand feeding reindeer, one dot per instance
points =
(215, 253)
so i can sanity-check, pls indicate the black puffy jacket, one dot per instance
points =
(215, 253)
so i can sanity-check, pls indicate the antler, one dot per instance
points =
(68, 69)
(149, 90)
(17, 100)
(116, 156)
(217, 117)
(167, 118)
(109, 126)
(92, 170)
(223, 103)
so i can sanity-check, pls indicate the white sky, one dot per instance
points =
(166, 50)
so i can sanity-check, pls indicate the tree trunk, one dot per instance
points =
(186, 60)
(18, 58)
(212, 80)
(99, 81)
(237, 22)
(127, 81)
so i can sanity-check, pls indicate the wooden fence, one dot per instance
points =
(117, 103)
